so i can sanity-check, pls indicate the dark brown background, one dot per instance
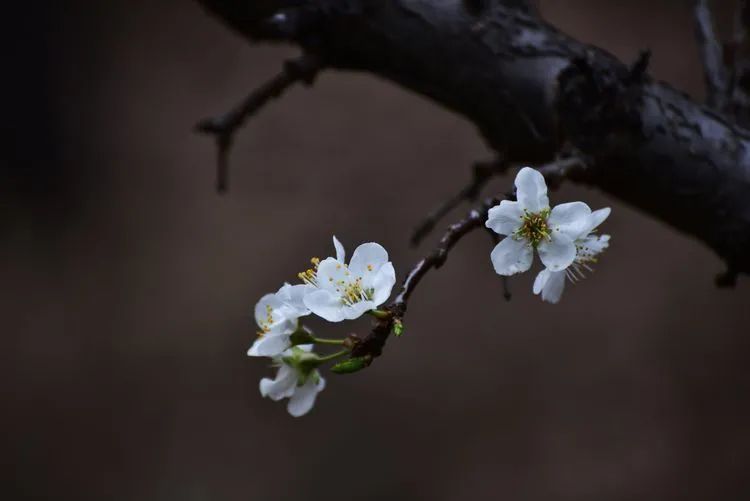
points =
(128, 284)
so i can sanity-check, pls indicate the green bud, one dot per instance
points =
(398, 327)
(351, 365)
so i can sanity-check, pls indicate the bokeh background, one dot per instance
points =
(127, 287)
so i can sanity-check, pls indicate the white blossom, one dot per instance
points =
(293, 381)
(344, 292)
(530, 224)
(551, 284)
(277, 316)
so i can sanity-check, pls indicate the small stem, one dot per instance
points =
(332, 356)
(318, 340)
(381, 314)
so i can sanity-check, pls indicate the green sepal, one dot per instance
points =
(301, 336)
(350, 365)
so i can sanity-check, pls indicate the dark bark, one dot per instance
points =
(532, 90)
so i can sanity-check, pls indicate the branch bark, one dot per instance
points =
(530, 89)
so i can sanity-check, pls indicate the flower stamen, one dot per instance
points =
(534, 227)
(310, 276)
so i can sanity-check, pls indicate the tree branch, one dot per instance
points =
(482, 172)
(372, 345)
(223, 128)
(530, 89)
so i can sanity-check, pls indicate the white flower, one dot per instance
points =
(531, 224)
(345, 292)
(552, 283)
(292, 381)
(277, 317)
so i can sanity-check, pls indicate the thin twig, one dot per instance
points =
(561, 168)
(482, 172)
(738, 54)
(372, 345)
(303, 69)
(714, 71)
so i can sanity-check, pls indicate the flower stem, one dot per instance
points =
(381, 314)
(332, 356)
(318, 340)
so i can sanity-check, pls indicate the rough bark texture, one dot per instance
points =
(532, 90)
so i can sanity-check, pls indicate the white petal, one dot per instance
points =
(261, 308)
(326, 305)
(598, 217)
(541, 280)
(571, 219)
(590, 247)
(269, 346)
(505, 218)
(293, 296)
(304, 397)
(340, 252)
(557, 253)
(330, 275)
(382, 283)
(512, 256)
(356, 310)
(531, 190)
(554, 287)
(367, 259)
(282, 386)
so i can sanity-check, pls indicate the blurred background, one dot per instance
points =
(128, 284)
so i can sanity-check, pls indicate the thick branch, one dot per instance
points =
(530, 88)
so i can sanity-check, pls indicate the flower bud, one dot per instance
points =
(351, 365)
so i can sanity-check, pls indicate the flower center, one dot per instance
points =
(352, 291)
(310, 275)
(534, 227)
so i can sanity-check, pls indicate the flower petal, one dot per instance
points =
(340, 252)
(330, 274)
(304, 397)
(571, 219)
(557, 253)
(512, 256)
(541, 280)
(382, 283)
(367, 259)
(590, 247)
(505, 218)
(531, 190)
(598, 217)
(552, 285)
(262, 308)
(356, 310)
(325, 304)
(282, 386)
(293, 296)
(269, 346)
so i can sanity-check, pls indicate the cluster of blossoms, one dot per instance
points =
(332, 290)
(563, 236)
